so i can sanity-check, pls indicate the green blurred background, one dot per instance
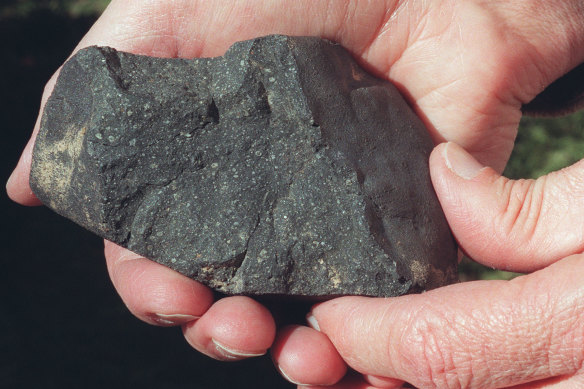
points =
(543, 145)
(70, 8)
(62, 324)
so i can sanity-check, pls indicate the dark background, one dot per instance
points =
(61, 323)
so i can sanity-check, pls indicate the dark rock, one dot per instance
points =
(280, 168)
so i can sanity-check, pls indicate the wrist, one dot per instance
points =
(554, 30)
(549, 40)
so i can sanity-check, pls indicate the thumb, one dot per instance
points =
(482, 334)
(517, 225)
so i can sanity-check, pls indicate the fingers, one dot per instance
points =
(358, 381)
(202, 28)
(476, 335)
(17, 187)
(233, 328)
(521, 225)
(306, 357)
(154, 293)
(554, 383)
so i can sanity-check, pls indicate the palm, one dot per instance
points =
(466, 90)
(465, 78)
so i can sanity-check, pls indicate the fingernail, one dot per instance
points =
(129, 256)
(311, 320)
(287, 377)
(460, 162)
(172, 319)
(230, 353)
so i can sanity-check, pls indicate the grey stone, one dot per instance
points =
(281, 168)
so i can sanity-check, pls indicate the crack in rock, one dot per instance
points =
(281, 168)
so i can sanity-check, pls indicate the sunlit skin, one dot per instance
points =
(466, 67)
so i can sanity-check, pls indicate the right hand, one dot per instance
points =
(465, 66)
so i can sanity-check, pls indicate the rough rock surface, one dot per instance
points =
(280, 168)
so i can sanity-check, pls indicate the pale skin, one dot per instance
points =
(466, 67)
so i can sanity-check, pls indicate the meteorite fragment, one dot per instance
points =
(280, 168)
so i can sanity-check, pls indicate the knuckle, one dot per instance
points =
(566, 339)
(429, 351)
(551, 328)
(521, 206)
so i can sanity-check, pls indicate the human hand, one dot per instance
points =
(467, 92)
(483, 334)
(526, 333)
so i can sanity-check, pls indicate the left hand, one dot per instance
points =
(466, 91)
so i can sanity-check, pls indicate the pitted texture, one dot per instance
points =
(279, 168)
